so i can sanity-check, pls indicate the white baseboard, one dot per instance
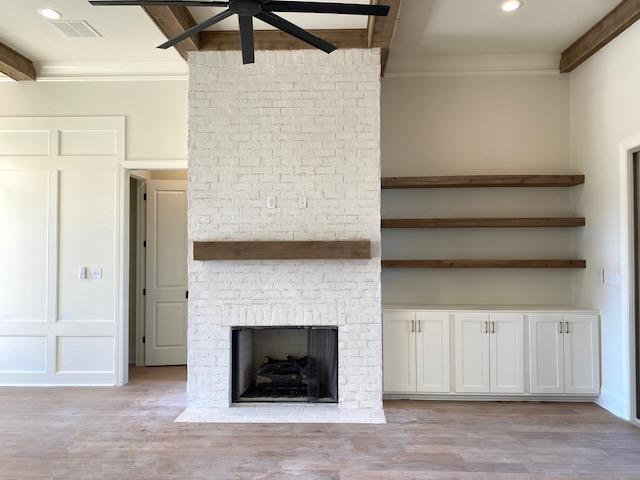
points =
(613, 403)
(489, 397)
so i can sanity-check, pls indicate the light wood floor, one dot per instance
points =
(127, 433)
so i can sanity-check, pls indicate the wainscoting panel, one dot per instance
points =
(87, 239)
(23, 354)
(24, 142)
(88, 142)
(85, 354)
(59, 197)
(24, 210)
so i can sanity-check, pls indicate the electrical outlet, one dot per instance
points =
(302, 201)
(83, 273)
(609, 277)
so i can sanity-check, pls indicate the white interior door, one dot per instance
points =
(399, 352)
(432, 352)
(581, 354)
(166, 283)
(546, 353)
(507, 352)
(472, 353)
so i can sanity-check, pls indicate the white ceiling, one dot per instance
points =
(427, 30)
(480, 27)
(128, 35)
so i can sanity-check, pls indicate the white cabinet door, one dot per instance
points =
(546, 353)
(581, 354)
(507, 352)
(399, 352)
(432, 352)
(472, 352)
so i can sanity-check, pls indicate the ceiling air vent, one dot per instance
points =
(75, 28)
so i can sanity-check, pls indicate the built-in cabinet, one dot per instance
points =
(491, 352)
(564, 354)
(399, 353)
(416, 352)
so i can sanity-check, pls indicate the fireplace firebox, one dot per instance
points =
(284, 364)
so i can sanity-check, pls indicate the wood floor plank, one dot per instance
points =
(128, 434)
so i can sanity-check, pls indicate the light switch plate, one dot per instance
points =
(271, 201)
(94, 273)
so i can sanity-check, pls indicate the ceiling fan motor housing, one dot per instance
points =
(246, 7)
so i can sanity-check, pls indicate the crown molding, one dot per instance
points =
(398, 66)
(110, 71)
(424, 66)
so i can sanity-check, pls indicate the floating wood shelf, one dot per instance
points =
(484, 264)
(282, 250)
(483, 222)
(473, 181)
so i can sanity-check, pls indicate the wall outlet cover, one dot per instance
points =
(609, 277)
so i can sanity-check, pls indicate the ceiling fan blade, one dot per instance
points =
(246, 38)
(295, 31)
(317, 7)
(197, 28)
(162, 3)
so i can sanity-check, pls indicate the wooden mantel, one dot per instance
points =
(283, 250)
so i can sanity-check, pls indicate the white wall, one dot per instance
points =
(155, 111)
(475, 124)
(466, 125)
(605, 111)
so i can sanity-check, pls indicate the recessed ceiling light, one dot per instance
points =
(511, 5)
(50, 13)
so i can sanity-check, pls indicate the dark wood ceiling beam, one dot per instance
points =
(277, 40)
(173, 21)
(612, 25)
(15, 65)
(381, 30)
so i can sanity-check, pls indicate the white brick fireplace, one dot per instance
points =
(296, 124)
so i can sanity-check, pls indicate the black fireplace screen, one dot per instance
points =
(285, 364)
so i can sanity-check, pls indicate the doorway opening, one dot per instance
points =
(158, 288)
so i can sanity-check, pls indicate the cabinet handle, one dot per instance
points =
(493, 327)
(561, 327)
(567, 329)
(419, 326)
(413, 326)
(486, 327)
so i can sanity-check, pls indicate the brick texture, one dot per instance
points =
(295, 123)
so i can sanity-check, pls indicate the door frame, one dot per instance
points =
(627, 151)
(140, 268)
(123, 260)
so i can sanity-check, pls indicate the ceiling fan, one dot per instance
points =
(262, 10)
